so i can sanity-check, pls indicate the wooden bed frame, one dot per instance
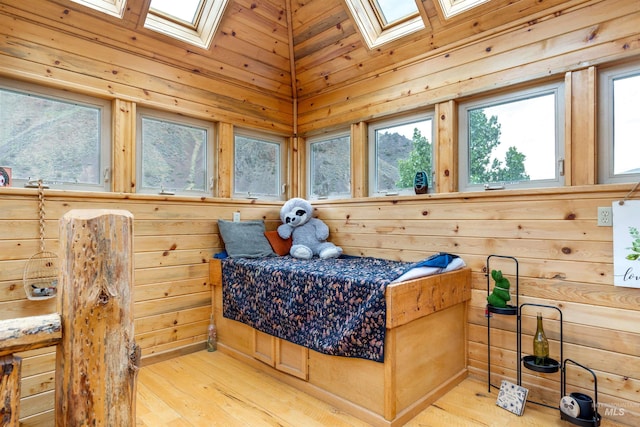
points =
(425, 351)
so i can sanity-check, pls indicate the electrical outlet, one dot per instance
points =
(605, 216)
(236, 217)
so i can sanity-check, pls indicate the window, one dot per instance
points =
(619, 124)
(192, 21)
(258, 170)
(61, 138)
(174, 154)
(187, 11)
(454, 7)
(110, 7)
(513, 140)
(329, 166)
(382, 21)
(399, 149)
(390, 12)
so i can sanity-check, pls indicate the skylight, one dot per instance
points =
(382, 21)
(192, 21)
(454, 7)
(111, 7)
(392, 11)
(183, 10)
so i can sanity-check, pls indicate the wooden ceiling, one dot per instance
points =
(255, 40)
(266, 52)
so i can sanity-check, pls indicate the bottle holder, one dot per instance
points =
(550, 365)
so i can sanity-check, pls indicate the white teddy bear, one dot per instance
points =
(308, 234)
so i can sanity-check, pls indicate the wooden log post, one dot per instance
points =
(9, 390)
(97, 359)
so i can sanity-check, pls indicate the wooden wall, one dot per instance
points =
(173, 242)
(565, 259)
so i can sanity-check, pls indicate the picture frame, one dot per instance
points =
(512, 397)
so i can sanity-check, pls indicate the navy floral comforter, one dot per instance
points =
(333, 306)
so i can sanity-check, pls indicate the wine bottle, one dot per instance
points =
(540, 343)
(212, 336)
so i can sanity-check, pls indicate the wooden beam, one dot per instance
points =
(29, 333)
(224, 181)
(359, 160)
(298, 167)
(582, 116)
(292, 67)
(446, 147)
(123, 162)
(97, 359)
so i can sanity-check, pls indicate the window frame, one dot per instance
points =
(372, 150)
(373, 32)
(142, 112)
(382, 19)
(199, 34)
(556, 88)
(281, 166)
(105, 110)
(606, 117)
(193, 24)
(317, 139)
(451, 8)
(110, 7)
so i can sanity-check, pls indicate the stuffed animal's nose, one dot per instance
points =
(288, 220)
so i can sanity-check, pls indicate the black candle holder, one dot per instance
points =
(583, 400)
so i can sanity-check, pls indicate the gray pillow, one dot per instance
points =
(245, 239)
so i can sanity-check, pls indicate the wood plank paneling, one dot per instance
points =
(248, 62)
(244, 80)
(358, 63)
(535, 50)
(123, 167)
(569, 267)
(446, 173)
(173, 241)
(582, 118)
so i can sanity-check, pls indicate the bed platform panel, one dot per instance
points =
(425, 351)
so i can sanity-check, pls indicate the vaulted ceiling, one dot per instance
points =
(257, 39)
(266, 55)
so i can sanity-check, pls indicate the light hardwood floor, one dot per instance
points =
(213, 389)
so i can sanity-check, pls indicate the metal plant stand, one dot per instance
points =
(510, 310)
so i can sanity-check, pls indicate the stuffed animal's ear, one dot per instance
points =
(284, 209)
(304, 204)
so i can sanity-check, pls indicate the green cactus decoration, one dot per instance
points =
(500, 294)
